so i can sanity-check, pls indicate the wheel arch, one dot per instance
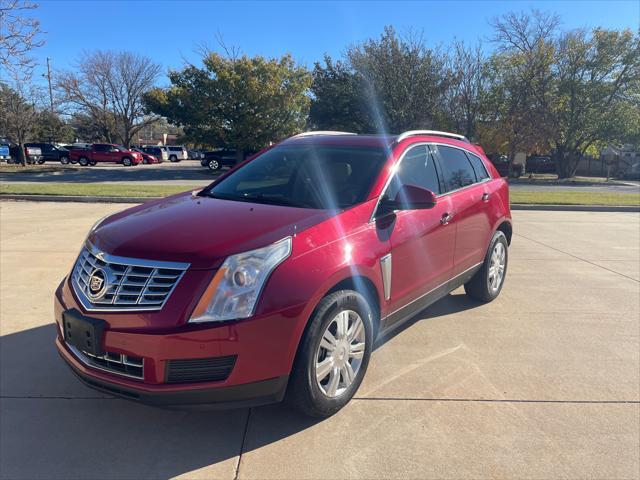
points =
(506, 228)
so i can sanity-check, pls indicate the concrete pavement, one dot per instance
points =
(542, 383)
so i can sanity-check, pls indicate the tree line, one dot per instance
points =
(531, 87)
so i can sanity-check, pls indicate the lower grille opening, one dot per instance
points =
(212, 369)
(111, 362)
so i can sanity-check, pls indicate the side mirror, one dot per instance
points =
(409, 197)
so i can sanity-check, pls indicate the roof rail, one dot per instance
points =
(411, 133)
(321, 132)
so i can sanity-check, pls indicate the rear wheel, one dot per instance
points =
(64, 160)
(487, 283)
(173, 158)
(333, 355)
(84, 161)
(213, 165)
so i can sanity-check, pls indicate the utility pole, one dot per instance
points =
(50, 90)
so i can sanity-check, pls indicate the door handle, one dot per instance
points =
(446, 218)
(485, 197)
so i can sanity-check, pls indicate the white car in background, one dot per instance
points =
(177, 153)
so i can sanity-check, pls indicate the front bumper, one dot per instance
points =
(264, 348)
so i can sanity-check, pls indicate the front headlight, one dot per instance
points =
(235, 289)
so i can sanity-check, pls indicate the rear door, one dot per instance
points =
(422, 244)
(469, 193)
(101, 152)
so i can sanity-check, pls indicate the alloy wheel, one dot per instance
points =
(496, 267)
(339, 355)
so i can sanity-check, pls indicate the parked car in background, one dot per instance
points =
(195, 155)
(177, 153)
(502, 164)
(51, 152)
(159, 152)
(540, 164)
(4, 151)
(147, 158)
(105, 152)
(278, 278)
(32, 154)
(222, 157)
(76, 146)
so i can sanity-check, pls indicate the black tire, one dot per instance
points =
(145, 161)
(83, 161)
(516, 173)
(478, 287)
(126, 161)
(64, 160)
(213, 164)
(40, 162)
(173, 158)
(303, 392)
(93, 163)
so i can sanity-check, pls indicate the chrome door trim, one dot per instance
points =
(385, 267)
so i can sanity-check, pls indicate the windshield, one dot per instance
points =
(307, 176)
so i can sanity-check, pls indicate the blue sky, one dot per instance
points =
(170, 31)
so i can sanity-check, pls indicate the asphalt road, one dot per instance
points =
(191, 173)
(542, 383)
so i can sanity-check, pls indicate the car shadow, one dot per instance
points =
(55, 427)
(447, 305)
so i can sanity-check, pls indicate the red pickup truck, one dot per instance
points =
(105, 152)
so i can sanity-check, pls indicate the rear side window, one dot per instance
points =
(456, 169)
(478, 166)
(416, 168)
(102, 148)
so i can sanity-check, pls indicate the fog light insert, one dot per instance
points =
(214, 369)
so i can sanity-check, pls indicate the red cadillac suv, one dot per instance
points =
(276, 279)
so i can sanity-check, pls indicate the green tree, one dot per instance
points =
(238, 102)
(50, 127)
(597, 93)
(337, 101)
(402, 82)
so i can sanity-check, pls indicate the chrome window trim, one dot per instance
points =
(130, 262)
(417, 144)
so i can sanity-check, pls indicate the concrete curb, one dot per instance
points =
(576, 208)
(516, 206)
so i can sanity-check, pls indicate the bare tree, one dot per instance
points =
(467, 87)
(18, 114)
(18, 35)
(109, 87)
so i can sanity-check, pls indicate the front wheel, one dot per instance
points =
(213, 165)
(173, 158)
(126, 162)
(487, 283)
(64, 160)
(333, 355)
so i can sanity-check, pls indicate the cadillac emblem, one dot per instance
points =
(97, 284)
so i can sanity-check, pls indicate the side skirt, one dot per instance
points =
(407, 312)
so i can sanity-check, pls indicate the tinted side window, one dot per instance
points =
(416, 168)
(478, 166)
(102, 148)
(456, 168)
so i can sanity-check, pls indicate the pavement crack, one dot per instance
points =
(244, 438)
(496, 400)
(576, 257)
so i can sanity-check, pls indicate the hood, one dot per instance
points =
(201, 231)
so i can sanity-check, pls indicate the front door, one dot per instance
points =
(422, 241)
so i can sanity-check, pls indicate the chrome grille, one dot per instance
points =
(112, 362)
(129, 283)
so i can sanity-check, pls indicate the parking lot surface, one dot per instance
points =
(542, 383)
